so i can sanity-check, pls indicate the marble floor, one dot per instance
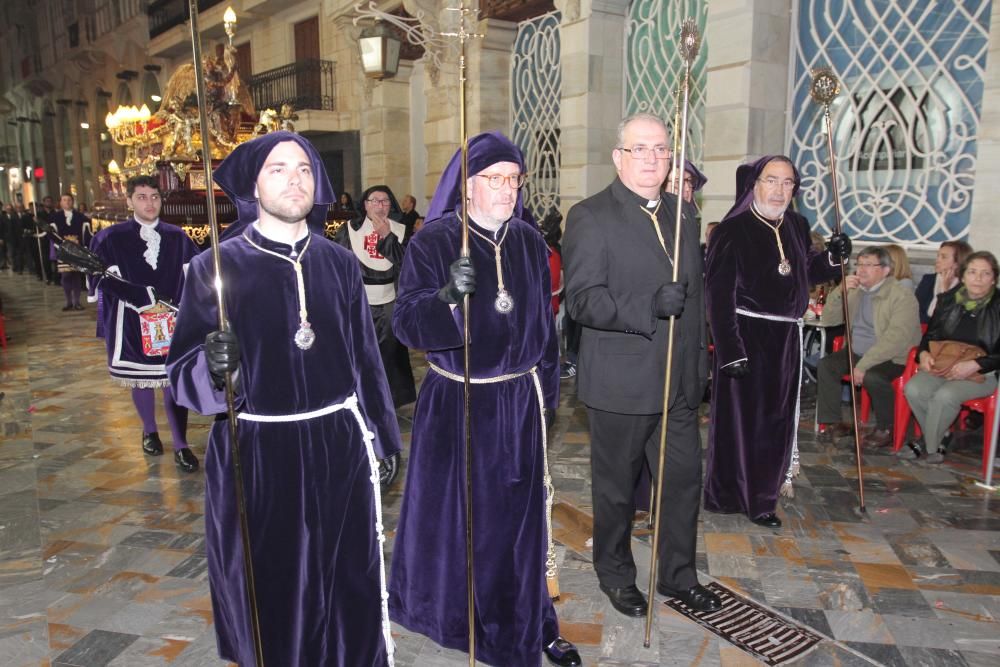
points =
(102, 549)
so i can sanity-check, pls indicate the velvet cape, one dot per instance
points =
(427, 589)
(309, 488)
(752, 423)
(121, 249)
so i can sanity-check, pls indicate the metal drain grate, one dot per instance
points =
(751, 628)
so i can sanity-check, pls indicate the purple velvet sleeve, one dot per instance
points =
(186, 365)
(721, 270)
(420, 320)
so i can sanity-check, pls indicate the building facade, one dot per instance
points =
(915, 144)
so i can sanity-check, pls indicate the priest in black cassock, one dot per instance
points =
(515, 383)
(315, 416)
(759, 269)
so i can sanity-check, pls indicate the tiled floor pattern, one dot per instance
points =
(102, 555)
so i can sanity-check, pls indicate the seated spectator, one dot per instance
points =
(950, 256)
(884, 326)
(969, 313)
(900, 266)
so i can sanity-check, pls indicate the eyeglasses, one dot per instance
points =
(771, 182)
(378, 202)
(642, 152)
(496, 181)
(866, 265)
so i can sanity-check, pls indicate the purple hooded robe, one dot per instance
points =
(311, 482)
(515, 617)
(753, 422)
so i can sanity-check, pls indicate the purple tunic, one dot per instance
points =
(427, 592)
(78, 229)
(752, 423)
(310, 497)
(124, 252)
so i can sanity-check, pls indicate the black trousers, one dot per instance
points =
(878, 383)
(618, 446)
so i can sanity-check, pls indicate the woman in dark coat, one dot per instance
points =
(969, 313)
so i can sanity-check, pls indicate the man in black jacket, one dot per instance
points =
(618, 260)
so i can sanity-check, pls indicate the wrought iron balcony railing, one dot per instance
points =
(306, 84)
(167, 14)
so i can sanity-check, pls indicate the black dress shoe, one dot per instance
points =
(185, 459)
(768, 520)
(561, 652)
(151, 444)
(697, 597)
(67, 308)
(628, 600)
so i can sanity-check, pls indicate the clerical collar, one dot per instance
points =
(632, 196)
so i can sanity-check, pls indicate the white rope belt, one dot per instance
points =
(550, 554)
(793, 464)
(351, 403)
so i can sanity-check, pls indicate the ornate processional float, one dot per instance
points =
(167, 144)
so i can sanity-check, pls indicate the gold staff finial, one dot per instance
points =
(825, 86)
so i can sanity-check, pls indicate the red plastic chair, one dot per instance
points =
(902, 412)
(866, 401)
(986, 405)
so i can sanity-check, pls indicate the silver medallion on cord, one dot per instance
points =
(305, 336)
(504, 303)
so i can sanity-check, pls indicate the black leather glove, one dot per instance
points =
(222, 352)
(463, 281)
(388, 470)
(839, 246)
(669, 300)
(738, 370)
(549, 416)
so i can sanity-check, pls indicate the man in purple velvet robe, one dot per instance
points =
(515, 380)
(619, 263)
(760, 266)
(314, 417)
(153, 257)
(71, 225)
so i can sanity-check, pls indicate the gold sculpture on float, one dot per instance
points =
(173, 134)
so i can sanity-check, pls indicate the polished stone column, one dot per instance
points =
(747, 91)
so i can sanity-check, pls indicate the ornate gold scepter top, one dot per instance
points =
(690, 44)
(824, 90)
(463, 36)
